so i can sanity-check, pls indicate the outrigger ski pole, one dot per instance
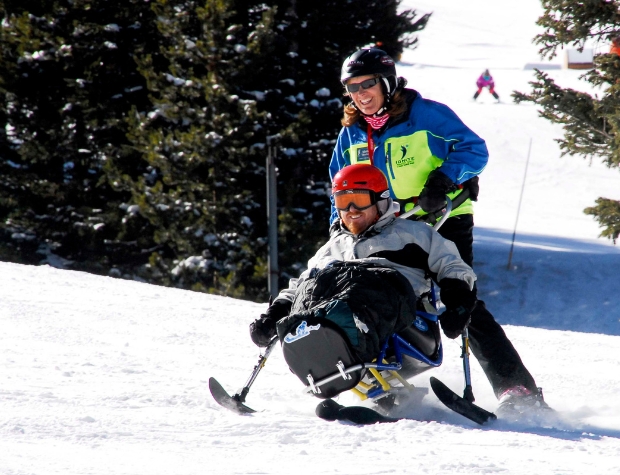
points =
(468, 392)
(236, 401)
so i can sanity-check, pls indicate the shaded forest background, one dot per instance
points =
(135, 136)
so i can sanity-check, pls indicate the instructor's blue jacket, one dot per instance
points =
(429, 136)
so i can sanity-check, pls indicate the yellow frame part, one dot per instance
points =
(362, 388)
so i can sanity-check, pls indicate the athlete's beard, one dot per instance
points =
(357, 228)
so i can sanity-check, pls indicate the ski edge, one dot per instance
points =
(364, 415)
(460, 405)
(225, 400)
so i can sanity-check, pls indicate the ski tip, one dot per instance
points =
(225, 400)
(460, 405)
(216, 388)
(437, 385)
(328, 410)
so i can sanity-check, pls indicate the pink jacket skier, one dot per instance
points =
(486, 80)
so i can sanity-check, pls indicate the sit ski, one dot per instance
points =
(379, 391)
(319, 353)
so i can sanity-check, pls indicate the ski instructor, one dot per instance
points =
(426, 152)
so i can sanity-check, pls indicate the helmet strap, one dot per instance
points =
(388, 93)
(387, 89)
(379, 113)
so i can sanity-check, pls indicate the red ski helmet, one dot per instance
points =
(360, 176)
(356, 179)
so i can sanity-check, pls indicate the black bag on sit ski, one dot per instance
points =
(344, 313)
(314, 349)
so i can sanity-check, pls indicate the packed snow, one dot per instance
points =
(104, 376)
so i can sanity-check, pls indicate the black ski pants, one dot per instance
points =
(499, 360)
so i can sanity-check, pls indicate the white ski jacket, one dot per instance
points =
(413, 248)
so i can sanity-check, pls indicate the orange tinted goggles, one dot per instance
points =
(360, 199)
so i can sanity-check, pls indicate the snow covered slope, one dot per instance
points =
(102, 376)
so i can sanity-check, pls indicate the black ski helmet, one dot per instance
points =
(371, 61)
(367, 61)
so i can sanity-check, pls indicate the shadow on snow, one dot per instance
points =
(553, 283)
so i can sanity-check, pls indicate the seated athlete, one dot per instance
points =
(369, 231)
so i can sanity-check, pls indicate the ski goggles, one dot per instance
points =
(367, 84)
(359, 199)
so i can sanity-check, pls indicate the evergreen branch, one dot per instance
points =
(607, 213)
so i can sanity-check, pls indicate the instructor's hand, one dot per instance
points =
(433, 196)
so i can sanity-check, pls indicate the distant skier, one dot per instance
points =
(486, 80)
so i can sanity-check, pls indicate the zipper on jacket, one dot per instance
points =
(388, 161)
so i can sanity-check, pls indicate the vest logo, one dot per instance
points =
(403, 161)
(419, 324)
(302, 330)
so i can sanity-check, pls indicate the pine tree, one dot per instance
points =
(295, 77)
(135, 138)
(68, 80)
(199, 207)
(591, 123)
(231, 74)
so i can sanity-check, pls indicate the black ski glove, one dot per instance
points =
(263, 329)
(473, 187)
(433, 196)
(460, 301)
(454, 321)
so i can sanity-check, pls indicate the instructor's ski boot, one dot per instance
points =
(519, 400)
